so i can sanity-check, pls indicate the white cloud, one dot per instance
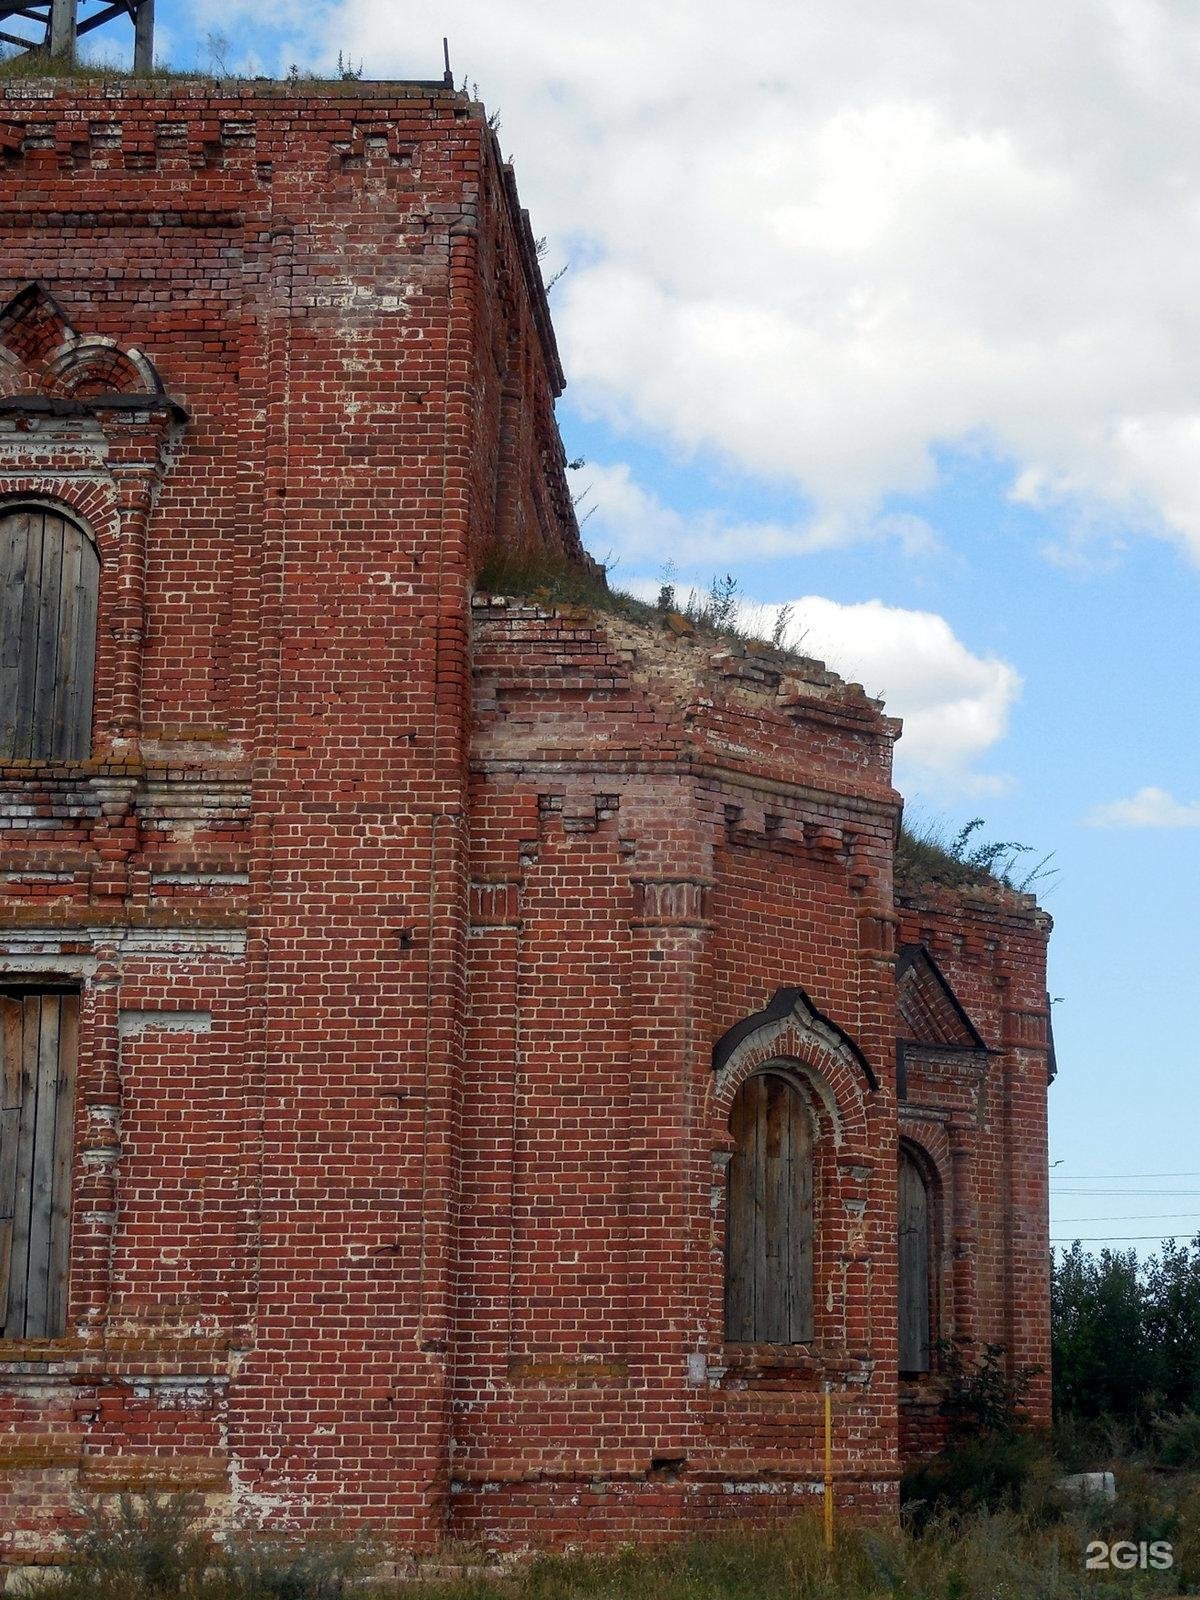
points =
(955, 704)
(631, 527)
(1148, 808)
(826, 240)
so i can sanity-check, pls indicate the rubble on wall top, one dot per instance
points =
(100, 82)
(747, 666)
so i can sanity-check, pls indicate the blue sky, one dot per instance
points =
(890, 312)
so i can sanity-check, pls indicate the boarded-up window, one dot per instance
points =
(916, 1284)
(49, 581)
(769, 1226)
(38, 1038)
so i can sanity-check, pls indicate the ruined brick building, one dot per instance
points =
(468, 1066)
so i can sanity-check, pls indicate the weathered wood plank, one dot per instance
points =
(739, 1223)
(50, 574)
(14, 546)
(61, 732)
(19, 1270)
(37, 1293)
(755, 1090)
(774, 1263)
(769, 1283)
(10, 1127)
(14, 566)
(801, 1313)
(27, 646)
(41, 737)
(78, 744)
(913, 1252)
(10, 1052)
(64, 1145)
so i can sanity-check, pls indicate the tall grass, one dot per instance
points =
(1006, 1554)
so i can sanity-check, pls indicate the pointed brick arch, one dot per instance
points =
(42, 350)
(33, 325)
(790, 1008)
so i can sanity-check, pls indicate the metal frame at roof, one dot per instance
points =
(55, 26)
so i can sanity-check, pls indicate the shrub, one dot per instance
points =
(157, 1548)
(981, 1396)
(140, 1549)
(1179, 1439)
(992, 1472)
(277, 1569)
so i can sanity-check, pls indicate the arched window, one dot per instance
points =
(916, 1265)
(769, 1219)
(49, 581)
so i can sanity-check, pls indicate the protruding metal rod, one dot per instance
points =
(62, 29)
(143, 37)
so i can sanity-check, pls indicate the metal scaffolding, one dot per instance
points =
(54, 26)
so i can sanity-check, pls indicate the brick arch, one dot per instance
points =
(790, 1034)
(91, 506)
(12, 375)
(97, 365)
(815, 1078)
(930, 1147)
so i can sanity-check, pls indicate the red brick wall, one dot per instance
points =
(986, 1134)
(406, 929)
(638, 891)
(327, 285)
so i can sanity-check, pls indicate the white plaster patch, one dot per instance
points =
(131, 1024)
(199, 877)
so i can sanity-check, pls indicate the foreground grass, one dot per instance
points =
(988, 1555)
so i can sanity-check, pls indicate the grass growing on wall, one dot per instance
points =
(928, 853)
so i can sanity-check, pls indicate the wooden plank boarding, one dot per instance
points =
(26, 665)
(14, 553)
(39, 1036)
(739, 1222)
(913, 1252)
(66, 665)
(769, 1296)
(64, 1149)
(802, 1309)
(41, 725)
(10, 1127)
(78, 742)
(49, 590)
(37, 1292)
(18, 1276)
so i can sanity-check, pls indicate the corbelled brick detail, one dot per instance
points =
(406, 923)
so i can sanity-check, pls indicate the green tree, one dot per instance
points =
(1103, 1357)
(1172, 1324)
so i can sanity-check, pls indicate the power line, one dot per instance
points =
(1091, 1177)
(1106, 1238)
(1144, 1216)
(1130, 1194)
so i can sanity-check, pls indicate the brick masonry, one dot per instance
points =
(406, 919)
